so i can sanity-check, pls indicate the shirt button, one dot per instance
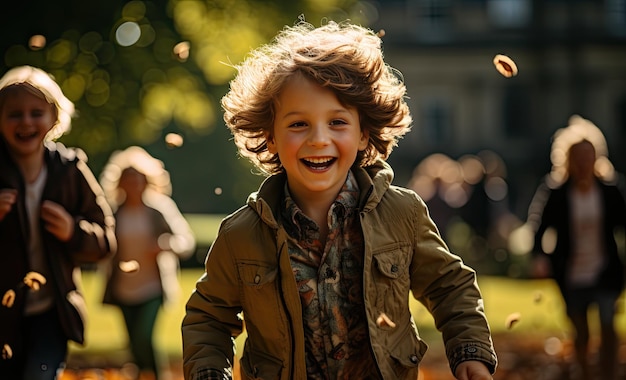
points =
(394, 268)
(413, 359)
(471, 350)
(257, 279)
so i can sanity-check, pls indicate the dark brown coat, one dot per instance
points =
(71, 184)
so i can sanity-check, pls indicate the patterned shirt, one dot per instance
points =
(330, 280)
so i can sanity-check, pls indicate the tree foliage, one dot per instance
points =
(138, 70)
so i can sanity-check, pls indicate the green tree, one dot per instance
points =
(139, 70)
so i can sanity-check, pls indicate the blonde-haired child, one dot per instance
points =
(53, 218)
(152, 235)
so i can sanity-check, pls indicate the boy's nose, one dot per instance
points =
(319, 135)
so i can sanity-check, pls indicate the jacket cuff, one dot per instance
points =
(213, 374)
(473, 351)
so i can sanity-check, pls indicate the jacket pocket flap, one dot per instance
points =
(408, 354)
(391, 263)
(256, 274)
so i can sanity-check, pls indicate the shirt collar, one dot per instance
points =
(346, 200)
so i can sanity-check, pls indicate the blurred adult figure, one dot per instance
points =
(152, 234)
(576, 212)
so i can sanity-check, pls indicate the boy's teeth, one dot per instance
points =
(318, 160)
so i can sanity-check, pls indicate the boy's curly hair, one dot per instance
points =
(343, 57)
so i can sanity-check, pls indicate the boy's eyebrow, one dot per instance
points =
(297, 113)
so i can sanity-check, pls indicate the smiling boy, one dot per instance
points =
(322, 260)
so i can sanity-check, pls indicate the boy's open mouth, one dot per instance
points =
(319, 163)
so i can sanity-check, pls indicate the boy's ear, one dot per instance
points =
(271, 145)
(365, 139)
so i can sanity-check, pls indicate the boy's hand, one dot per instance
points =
(57, 221)
(7, 199)
(472, 370)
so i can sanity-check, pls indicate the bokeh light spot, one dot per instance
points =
(553, 346)
(127, 33)
(74, 87)
(134, 10)
(90, 42)
(37, 42)
(98, 93)
(61, 52)
(496, 188)
(147, 35)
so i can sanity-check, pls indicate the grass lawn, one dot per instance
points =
(534, 305)
(204, 227)
(537, 302)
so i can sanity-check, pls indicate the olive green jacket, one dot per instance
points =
(248, 277)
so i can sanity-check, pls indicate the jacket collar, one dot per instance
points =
(374, 181)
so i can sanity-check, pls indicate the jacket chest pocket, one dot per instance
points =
(256, 275)
(262, 302)
(259, 282)
(390, 271)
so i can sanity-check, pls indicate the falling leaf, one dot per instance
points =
(505, 65)
(384, 321)
(181, 51)
(8, 298)
(512, 319)
(173, 140)
(34, 280)
(129, 266)
(7, 352)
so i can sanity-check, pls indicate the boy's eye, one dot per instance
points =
(297, 124)
(302, 124)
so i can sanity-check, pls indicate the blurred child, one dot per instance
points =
(151, 234)
(322, 260)
(581, 202)
(53, 218)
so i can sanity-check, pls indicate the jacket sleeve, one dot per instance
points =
(213, 315)
(540, 212)
(449, 290)
(94, 229)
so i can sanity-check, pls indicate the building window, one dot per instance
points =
(509, 13)
(436, 121)
(516, 112)
(616, 17)
(431, 19)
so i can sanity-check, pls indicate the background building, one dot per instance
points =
(571, 56)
